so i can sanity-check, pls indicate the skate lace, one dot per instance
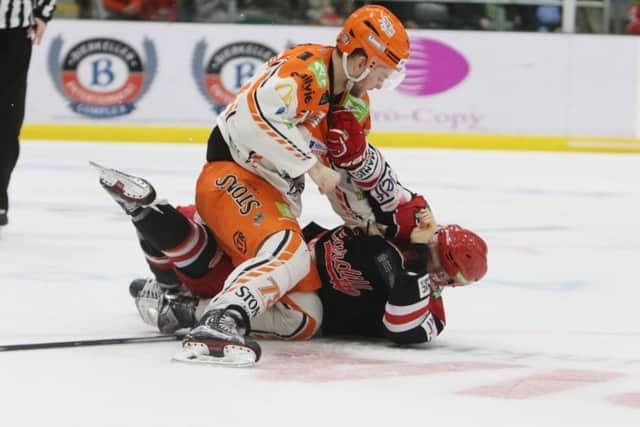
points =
(223, 322)
(228, 324)
(151, 290)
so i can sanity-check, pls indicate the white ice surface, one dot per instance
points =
(555, 321)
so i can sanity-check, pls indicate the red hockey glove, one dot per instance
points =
(406, 216)
(345, 141)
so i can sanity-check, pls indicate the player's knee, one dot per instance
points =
(310, 304)
(296, 316)
(258, 283)
(288, 250)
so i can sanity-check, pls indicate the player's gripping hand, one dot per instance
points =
(425, 228)
(346, 142)
(408, 216)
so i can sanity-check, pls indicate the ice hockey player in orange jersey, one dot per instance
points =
(263, 145)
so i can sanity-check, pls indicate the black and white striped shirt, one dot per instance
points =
(20, 13)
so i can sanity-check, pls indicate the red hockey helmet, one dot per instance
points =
(463, 254)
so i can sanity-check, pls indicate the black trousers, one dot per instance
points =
(15, 54)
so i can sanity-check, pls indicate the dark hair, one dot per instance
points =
(357, 52)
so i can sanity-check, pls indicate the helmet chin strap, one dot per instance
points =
(352, 80)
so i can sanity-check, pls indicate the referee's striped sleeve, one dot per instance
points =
(20, 13)
(44, 9)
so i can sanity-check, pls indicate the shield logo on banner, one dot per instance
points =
(102, 77)
(227, 69)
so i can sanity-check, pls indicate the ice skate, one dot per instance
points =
(166, 307)
(130, 192)
(220, 339)
(4, 220)
(138, 284)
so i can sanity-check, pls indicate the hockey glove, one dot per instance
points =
(406, 217)
(346, 142)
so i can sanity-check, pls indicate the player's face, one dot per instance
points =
(377, 77)
(436, 272)
(439, 279)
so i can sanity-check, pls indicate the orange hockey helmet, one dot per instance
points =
(379, 33)
(463, 254)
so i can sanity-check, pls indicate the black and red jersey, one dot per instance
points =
(369, 289)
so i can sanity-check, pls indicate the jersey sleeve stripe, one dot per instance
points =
(398, 327)
(406, 318)
(402, 310)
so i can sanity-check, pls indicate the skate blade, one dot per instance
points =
(234, 357)
(100, 168)
(137, 190)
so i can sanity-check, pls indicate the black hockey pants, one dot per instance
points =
(15, 54)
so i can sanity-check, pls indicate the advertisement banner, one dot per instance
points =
(92, 73)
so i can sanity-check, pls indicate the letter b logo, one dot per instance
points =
(244, 71)
(102, 72)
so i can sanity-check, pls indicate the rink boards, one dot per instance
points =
(120, 81)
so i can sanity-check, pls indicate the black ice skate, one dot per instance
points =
(130, 192)
(220, 339)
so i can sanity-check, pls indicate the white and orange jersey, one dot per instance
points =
(267, 125)
(277, 125)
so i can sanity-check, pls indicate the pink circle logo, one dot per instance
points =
(433, 67)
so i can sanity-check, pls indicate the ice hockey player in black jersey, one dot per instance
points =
(370, 287)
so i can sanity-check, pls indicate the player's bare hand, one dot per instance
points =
(426, 228)
(36, 32)
(373, 230)
(325, 178)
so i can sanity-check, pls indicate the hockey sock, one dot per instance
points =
(189, 246)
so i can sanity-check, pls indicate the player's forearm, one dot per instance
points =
(412, 313)
(325, 178)
(376, 176)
